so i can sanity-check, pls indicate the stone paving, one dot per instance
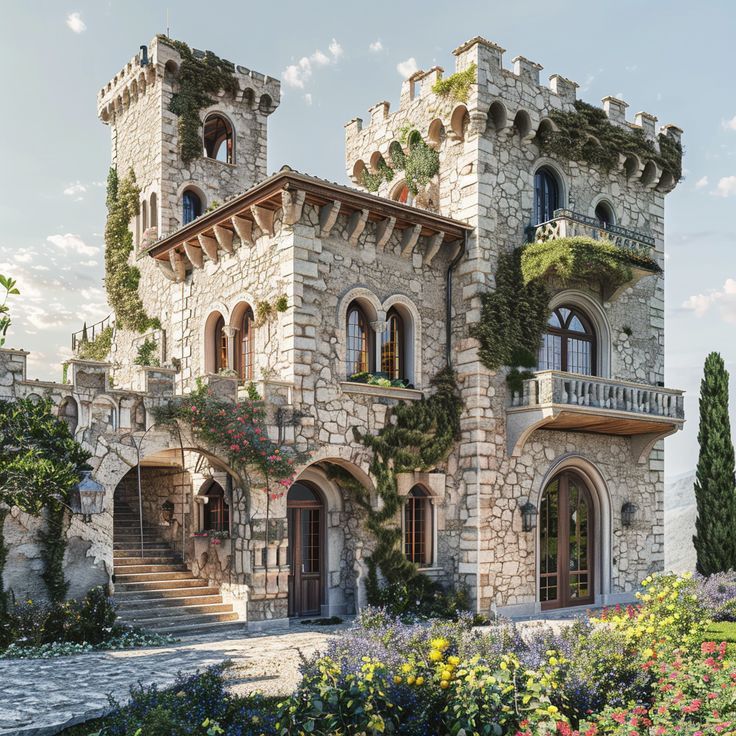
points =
(42, 696)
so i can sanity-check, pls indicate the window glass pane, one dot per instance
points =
(357, 348)
(576, 325)
(548, 553)
(550, 354)
(391, 346)
(579, 354)
(554, 320)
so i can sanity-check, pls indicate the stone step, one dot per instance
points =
(189, 628)
(134, 550)
(135, 568)
(137, 545)
(132, 604)
(159, 584)
(136, 537)
(182, 591)
(169, 559)
(144, 577)
(148, 617)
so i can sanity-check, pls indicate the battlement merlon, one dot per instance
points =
(134, 80)
(510, 91)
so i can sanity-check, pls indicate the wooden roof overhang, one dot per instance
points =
(417, 230)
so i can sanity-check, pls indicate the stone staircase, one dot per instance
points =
(156, 591)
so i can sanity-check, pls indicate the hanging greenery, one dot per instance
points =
(96, 349)
(52, 546)
(8, 287)
(146, 354)
(200, 78)
(416, 436)
(586, 134)
(121, 279)
(420, 165)
(582, 259)
(457, 85)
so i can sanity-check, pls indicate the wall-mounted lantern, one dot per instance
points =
(628, 512)
(528, 516)
(87, 496)
(167, 508)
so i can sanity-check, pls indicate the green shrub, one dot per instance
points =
(98, 348)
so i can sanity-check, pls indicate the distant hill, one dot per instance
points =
(679, 522)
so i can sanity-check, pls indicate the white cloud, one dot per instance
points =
(308, 98)
(74, 190)
(376, 47)
(726, 186)
(297, 75)
(729, 124)
(702, 182)
(407, 68)
(70, 243)
(723, 299)
(75, 23)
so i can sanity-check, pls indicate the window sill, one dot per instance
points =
(385, 392)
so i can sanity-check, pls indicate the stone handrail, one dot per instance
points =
(572, 389)
(568, 224)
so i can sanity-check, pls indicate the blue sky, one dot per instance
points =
(672, 59)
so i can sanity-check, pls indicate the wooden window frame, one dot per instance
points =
(246, 345)
(565, 334)
(419, 543)
(363, 326)
(216, 507)
(220, 345)
(394, 334)
(546, 186)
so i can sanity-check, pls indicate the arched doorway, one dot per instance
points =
(305, 509)
(566, 543)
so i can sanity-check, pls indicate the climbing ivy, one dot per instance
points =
(52, 546)
(586, 134)
(146, 354)
(457, 85)
(121, 279)
(420, 165)
(200, 78)
(96, 349)
(416, 436)
(582, 259)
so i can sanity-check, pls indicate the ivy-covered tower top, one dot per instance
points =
(186, 121)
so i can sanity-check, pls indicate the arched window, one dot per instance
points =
(358, 341)
(418, 532)
(154, 210)
(216, 510)
(191, 206)
(546, 195)
(220, 340)
(569, 343)
(604, 214)
(392, 346)
(144, 217)
(219, 139)
(247, 345)
(401, 193)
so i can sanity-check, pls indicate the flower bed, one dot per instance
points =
(645, 670)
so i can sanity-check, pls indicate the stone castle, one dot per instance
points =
(553, 495)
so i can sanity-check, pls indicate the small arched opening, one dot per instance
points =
(219, 138)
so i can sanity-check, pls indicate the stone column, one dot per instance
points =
(379, 327)
(231, 334)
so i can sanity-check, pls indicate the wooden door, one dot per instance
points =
(306, 550)
(566, 539)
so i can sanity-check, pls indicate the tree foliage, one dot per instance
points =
(715, 491)
(7, 288)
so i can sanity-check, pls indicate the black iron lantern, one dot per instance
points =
(528, 516)
(87, 497)
(628, 512)
(168, 511)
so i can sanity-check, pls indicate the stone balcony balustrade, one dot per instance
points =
(569, 224)
(571, 402)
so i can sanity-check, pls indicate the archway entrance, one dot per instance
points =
(566, 543)
(306, 512)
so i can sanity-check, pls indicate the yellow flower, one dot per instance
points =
(444, 684)
(446, 675)
(504, 666)
(553, 661)
(453, 660)
(411, 679)
(552, 710)
(419, 681)
(435, 655)
(397, 680)
(439, 643)
(648, 653)
(405, 668)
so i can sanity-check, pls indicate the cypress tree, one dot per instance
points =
(715, 494)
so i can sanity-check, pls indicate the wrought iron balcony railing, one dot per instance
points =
(88, 333)
(567, 224)
(568, 401)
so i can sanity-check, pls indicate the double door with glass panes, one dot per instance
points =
(566, 554)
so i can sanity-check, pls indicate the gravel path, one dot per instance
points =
(43, 696)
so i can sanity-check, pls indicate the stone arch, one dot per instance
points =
(522, 124)
(603, 525)
(632, 165)
(104, 412)
(497, 117)
(207, 339)
(459, 120)
(649, 174)
(212, 113)
(371, 306)
(265, 104)
(359, 169)
(249, 96)
(546, 127)
(436, 133)
(597, 315)
(562, 184)
(413, 328)
(395, 152)
(171, 68)
(238, 313)
(69, 413)
(375, 161)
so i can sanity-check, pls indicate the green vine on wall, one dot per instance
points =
(52, 546)
(420, 165)
(586, 134)
(457, 85)
(96, 349)
(146, 354)
(200, 79)
(121, 279)
(416, 436)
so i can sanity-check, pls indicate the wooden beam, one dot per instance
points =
(263, 218)
(356, 225)
(177, 263)
(209, 246)
(194, 253)
(244, 229)
(409, 239)
(384, 230)
(293, 203)
(434, 243)
(224, 238)
(166, 270)
(328, 217)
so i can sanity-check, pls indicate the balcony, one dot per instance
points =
(569, 224)
(575, 403)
